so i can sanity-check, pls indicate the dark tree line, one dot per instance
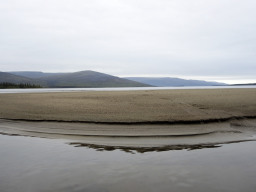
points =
(7, 85)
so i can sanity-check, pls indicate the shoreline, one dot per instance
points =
(67, 90)
(188, 122)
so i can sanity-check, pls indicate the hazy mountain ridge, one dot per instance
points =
(11, 78)
(33, 74)
(173, 82)
(82, 79)
(88, 79)
(92, 79)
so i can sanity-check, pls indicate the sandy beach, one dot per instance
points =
(157, 106)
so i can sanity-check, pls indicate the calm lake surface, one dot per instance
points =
(47, 165)
(43, 90)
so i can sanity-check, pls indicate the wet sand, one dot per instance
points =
(136, 137)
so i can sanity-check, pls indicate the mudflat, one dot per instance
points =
(146, 106)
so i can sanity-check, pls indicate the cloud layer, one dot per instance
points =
(214, 38)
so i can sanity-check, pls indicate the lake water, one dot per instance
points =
(43, 90)
(49, 165)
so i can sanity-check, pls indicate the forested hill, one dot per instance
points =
(82, 79)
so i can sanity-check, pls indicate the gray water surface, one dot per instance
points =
(48, 90)
(37, 164)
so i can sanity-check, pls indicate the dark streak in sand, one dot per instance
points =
(180, 122)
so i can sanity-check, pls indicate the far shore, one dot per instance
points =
(131, 107)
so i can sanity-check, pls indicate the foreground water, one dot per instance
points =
(37, 164)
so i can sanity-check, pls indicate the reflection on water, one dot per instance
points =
(36, 164)
(144, 149)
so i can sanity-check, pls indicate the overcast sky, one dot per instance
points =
(203, 39)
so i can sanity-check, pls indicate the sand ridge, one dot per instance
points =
(146, 137)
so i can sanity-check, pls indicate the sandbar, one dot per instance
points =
(159, 119)
(146, 106)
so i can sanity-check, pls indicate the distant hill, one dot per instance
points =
(33, 74)
(88, 79)
(172, 82)
(82, 79)
(11, 78)
(91, 79)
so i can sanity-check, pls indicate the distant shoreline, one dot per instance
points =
(56, 90)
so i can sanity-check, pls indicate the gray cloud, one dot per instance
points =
(179, 37)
